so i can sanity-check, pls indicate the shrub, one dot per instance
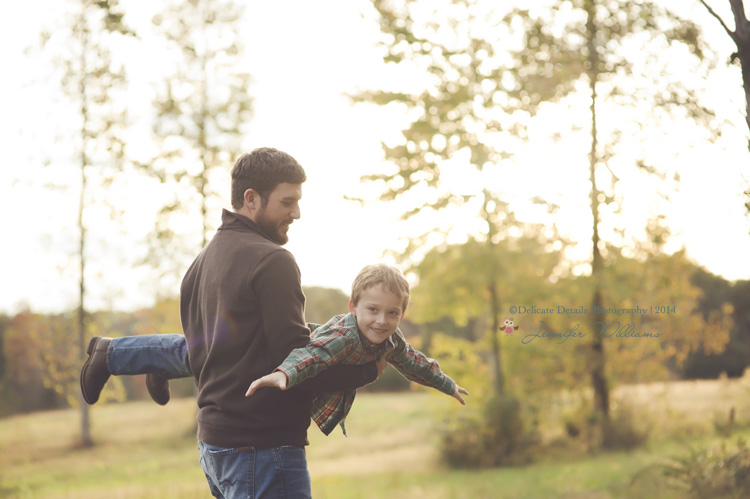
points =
(708, 473)
(618, 432)
(497, 437)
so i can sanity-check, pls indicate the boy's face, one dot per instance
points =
(378, 313)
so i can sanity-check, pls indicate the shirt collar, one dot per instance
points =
(234, 219)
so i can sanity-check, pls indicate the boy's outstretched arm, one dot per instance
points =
(276, 379)
(458, 392)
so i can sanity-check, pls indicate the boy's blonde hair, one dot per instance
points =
(390, 277)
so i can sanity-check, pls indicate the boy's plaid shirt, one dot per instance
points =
(339, 341)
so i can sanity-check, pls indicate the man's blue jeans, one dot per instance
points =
(231, 473)
(162, 354)
(250, 473)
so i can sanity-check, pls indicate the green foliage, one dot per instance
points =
(453, 279)
(720, 474)
(486, 73)
(41, 365)
(463, 361)
(202, 109)
(717, 294)
(94, 83)
(23, 378)
(490, 430)
(323, 303)
(620, 432)
(496, 436)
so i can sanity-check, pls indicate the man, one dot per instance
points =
(241, 305)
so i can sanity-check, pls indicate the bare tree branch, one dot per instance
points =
(742, 26)
(721, 21)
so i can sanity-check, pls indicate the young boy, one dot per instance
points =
(368, 332)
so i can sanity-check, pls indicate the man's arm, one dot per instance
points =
(328, 347)
(339, 378)
(342, 377)
(277, 285)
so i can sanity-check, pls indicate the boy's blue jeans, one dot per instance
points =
(162, 354)
(279, 472)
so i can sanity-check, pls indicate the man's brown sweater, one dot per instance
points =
(242, 311)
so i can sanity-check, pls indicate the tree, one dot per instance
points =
(452, 284)
(24, 387)
(741, 38)
(736, 357)
(202, 108)
(462, 117)
(596, 44)
(93, 81)
(323, 303)
(543, 371)
(487, 73)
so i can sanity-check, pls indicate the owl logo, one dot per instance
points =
(509, 326)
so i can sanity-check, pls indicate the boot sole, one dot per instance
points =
(152, 393)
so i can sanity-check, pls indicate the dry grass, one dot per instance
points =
(665, 409)
(692, 407)
(148, 451)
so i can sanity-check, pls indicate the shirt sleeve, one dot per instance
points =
(340, 377)
(417, 367)
(328, 346)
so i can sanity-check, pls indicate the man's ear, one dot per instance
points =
(351, 307)
(252, 199)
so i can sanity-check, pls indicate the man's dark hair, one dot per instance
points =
(262, 170)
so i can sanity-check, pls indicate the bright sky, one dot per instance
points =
(303, 57)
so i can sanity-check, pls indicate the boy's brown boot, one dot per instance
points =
(158, 388)
(94, 374)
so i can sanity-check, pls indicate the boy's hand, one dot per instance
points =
(457, 394)
(276, 379)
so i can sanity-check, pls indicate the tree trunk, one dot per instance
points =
(596, 361)
(494, 297)
(495, 311)
(742, 40)
(86, 440)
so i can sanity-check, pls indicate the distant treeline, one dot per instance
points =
(39, 365)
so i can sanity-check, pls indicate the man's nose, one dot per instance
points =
(296, 213)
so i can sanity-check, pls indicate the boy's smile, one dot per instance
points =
(378, 313)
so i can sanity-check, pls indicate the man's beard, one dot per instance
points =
(271, 229)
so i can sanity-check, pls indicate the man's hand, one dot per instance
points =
(382, 364)
(457, 394)
(276, 379)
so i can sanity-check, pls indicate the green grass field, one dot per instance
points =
(147, 451)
